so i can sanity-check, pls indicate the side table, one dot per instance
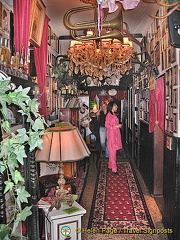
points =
(60, 225)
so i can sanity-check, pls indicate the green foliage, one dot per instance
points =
(59, 71)
(172, 1)
(12, 150)
(4, 232)
(125, 82)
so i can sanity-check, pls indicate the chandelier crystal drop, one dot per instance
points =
(102, 58)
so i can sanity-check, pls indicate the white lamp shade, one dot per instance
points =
(62, 144)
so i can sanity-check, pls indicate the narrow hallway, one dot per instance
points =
(87, 199)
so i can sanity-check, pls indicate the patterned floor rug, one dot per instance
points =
(118, 202)
(81, 181)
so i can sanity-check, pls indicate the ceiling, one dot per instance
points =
(137, 18)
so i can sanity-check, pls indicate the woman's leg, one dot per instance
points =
(106, 145)
(112, 160)
(102, 134)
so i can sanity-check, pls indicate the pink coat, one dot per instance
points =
(113, 133)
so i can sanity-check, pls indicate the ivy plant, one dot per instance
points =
(13, 153)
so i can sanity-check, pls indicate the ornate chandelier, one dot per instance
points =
(98, 54)
(100, 58)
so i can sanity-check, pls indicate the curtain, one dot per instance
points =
(152, 111)
(160, 101)
(40, 59)
(22, 12)
(156, 106)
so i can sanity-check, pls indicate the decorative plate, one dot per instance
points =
(112, 92)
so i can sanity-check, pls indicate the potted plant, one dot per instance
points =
(13, 153)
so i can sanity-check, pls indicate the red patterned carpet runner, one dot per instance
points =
(118, 202)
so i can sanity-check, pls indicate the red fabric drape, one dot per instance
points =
(40, 58)
(152, 111)
(160, 101)
(156, 106)
(22, 12)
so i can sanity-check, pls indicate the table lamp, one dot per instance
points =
(60, 145)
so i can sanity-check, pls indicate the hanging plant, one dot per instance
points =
(59, 71)
(12, 150)
(125, 82)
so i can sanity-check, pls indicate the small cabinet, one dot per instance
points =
(62, 225)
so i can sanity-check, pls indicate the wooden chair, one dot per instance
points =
(94, 148)
(48, 178)
(95, 152)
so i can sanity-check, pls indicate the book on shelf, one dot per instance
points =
(66, 103)
(71, 103)
(61, 102)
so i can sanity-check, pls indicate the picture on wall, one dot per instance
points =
(0, 15)
(37, 22)
(4, 19)
(49, 35)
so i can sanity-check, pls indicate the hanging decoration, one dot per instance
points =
(109, 57)
(112, 4)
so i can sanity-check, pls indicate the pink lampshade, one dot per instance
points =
(62, 144)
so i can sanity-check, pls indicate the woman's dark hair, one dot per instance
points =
(110, 106)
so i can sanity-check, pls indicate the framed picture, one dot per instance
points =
(49, 94)
(53, 40)
(1, 15)
(49, 58)
(37, 22)
(4, 19)
(53, 60)
(49, 35)
(57, 44)
(151, 82)
(157, 55)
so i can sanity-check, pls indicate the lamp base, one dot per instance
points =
(61, 194)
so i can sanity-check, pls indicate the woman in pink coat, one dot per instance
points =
(113, 135)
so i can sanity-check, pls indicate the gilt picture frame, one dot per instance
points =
(49, 35)
(0, 15)
(37, 22)
(4, 20)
